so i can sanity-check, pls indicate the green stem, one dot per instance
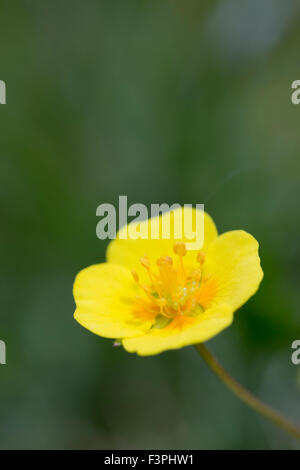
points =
(244, 395)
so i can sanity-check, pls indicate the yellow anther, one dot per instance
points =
(145, 261)
(164, 261)
(197, 273)
(201, 257)
(173, 290)
(147, 289)
(135, 275)
(179, 249)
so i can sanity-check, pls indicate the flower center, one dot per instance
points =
(173, 289)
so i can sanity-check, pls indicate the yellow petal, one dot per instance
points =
(104, 296)
(128, 252)
(233, 263)
(181, 333)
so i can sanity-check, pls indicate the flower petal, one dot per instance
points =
(128, 252)
(181, 332)
(104, 295)
(233, 262)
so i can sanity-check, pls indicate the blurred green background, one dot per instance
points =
(163, 101)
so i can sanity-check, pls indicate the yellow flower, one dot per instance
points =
(153, 295)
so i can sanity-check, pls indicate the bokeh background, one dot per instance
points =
(163, 101)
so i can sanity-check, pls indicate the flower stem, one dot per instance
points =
(244, 395)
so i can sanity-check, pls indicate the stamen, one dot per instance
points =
(201, 257)
(135, 276)
(197, 274)
(179, 249)
(147, 289)
(145, 261)
(174, 291)
(161, 303)
(164, 261)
